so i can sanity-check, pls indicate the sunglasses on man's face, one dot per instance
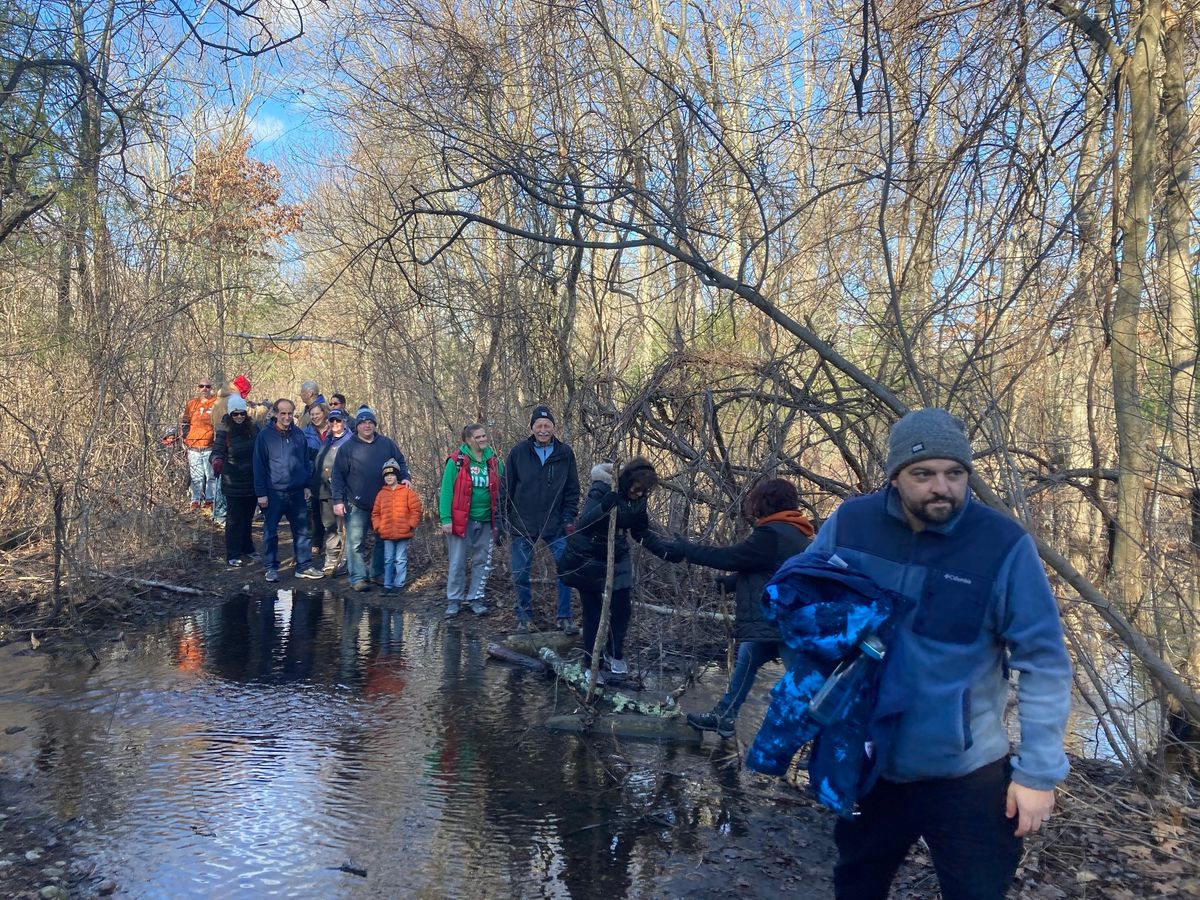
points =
(204, 385)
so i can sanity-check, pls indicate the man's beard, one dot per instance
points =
(935, 516)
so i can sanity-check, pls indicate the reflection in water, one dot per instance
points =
(263, 744)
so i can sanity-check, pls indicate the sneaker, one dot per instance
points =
(587, 678)
(207, 504)
(194, 505)
(233, 563)
(389, 591)
(479, 608)
(310, 572)
(524, 626)
(343, 569)
(724, 726)
(617, 666)
(566, 625)
(271, 575)
(361, 586)
(454, 609)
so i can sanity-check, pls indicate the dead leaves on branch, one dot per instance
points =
(231, 201)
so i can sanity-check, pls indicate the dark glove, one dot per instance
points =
(661, 548)
(217, 465)
(609, 501)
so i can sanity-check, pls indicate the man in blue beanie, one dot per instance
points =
(981, 605)
(357, 478)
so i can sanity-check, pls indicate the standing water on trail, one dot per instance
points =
(314, 746)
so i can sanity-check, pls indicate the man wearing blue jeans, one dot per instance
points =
(357, 480)
(541, 500)
(282, 471)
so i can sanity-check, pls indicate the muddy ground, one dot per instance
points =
(1112, 836)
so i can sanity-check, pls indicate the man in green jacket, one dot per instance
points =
(467, 510)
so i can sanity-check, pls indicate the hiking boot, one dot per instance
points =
(453, 610)
(724, 726)
(195, 505)
(233, 563)
(207, 504)
(361, 586)
(479, 607)
(566, 625)
(310, 572)
(271, 575)
(617, 666)
(343, 569)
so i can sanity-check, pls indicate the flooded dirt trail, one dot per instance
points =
(317, 746)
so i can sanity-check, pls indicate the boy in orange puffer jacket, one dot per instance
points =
(394, 518)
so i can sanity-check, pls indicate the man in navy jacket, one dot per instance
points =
(282, 470)
(981, 604)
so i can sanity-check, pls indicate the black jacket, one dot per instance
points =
(234, 444)
(540, 500)
(754, 561)
(584, 564)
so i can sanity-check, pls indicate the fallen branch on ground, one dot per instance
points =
(161, 585)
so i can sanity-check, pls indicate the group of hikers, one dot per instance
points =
(967, 596)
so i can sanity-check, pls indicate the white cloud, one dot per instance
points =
(266, 128)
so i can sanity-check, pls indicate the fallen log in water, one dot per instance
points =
(532, 643)
(499, 651)
(575, 675)
(632, 727)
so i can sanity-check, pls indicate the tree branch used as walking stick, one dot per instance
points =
(606, 607)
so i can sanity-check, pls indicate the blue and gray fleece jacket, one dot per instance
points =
(981, 604)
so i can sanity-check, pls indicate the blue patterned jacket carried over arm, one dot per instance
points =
(824, 609)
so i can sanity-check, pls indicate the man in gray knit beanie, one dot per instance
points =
(980, 606)
(929, 461)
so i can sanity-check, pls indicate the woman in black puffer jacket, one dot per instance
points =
(583, 565)
(233, 463)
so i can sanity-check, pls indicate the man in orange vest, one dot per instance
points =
(197, 430)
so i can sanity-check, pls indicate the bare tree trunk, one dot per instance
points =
(1177, 248)
(1181, 318)
(1126, 351)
